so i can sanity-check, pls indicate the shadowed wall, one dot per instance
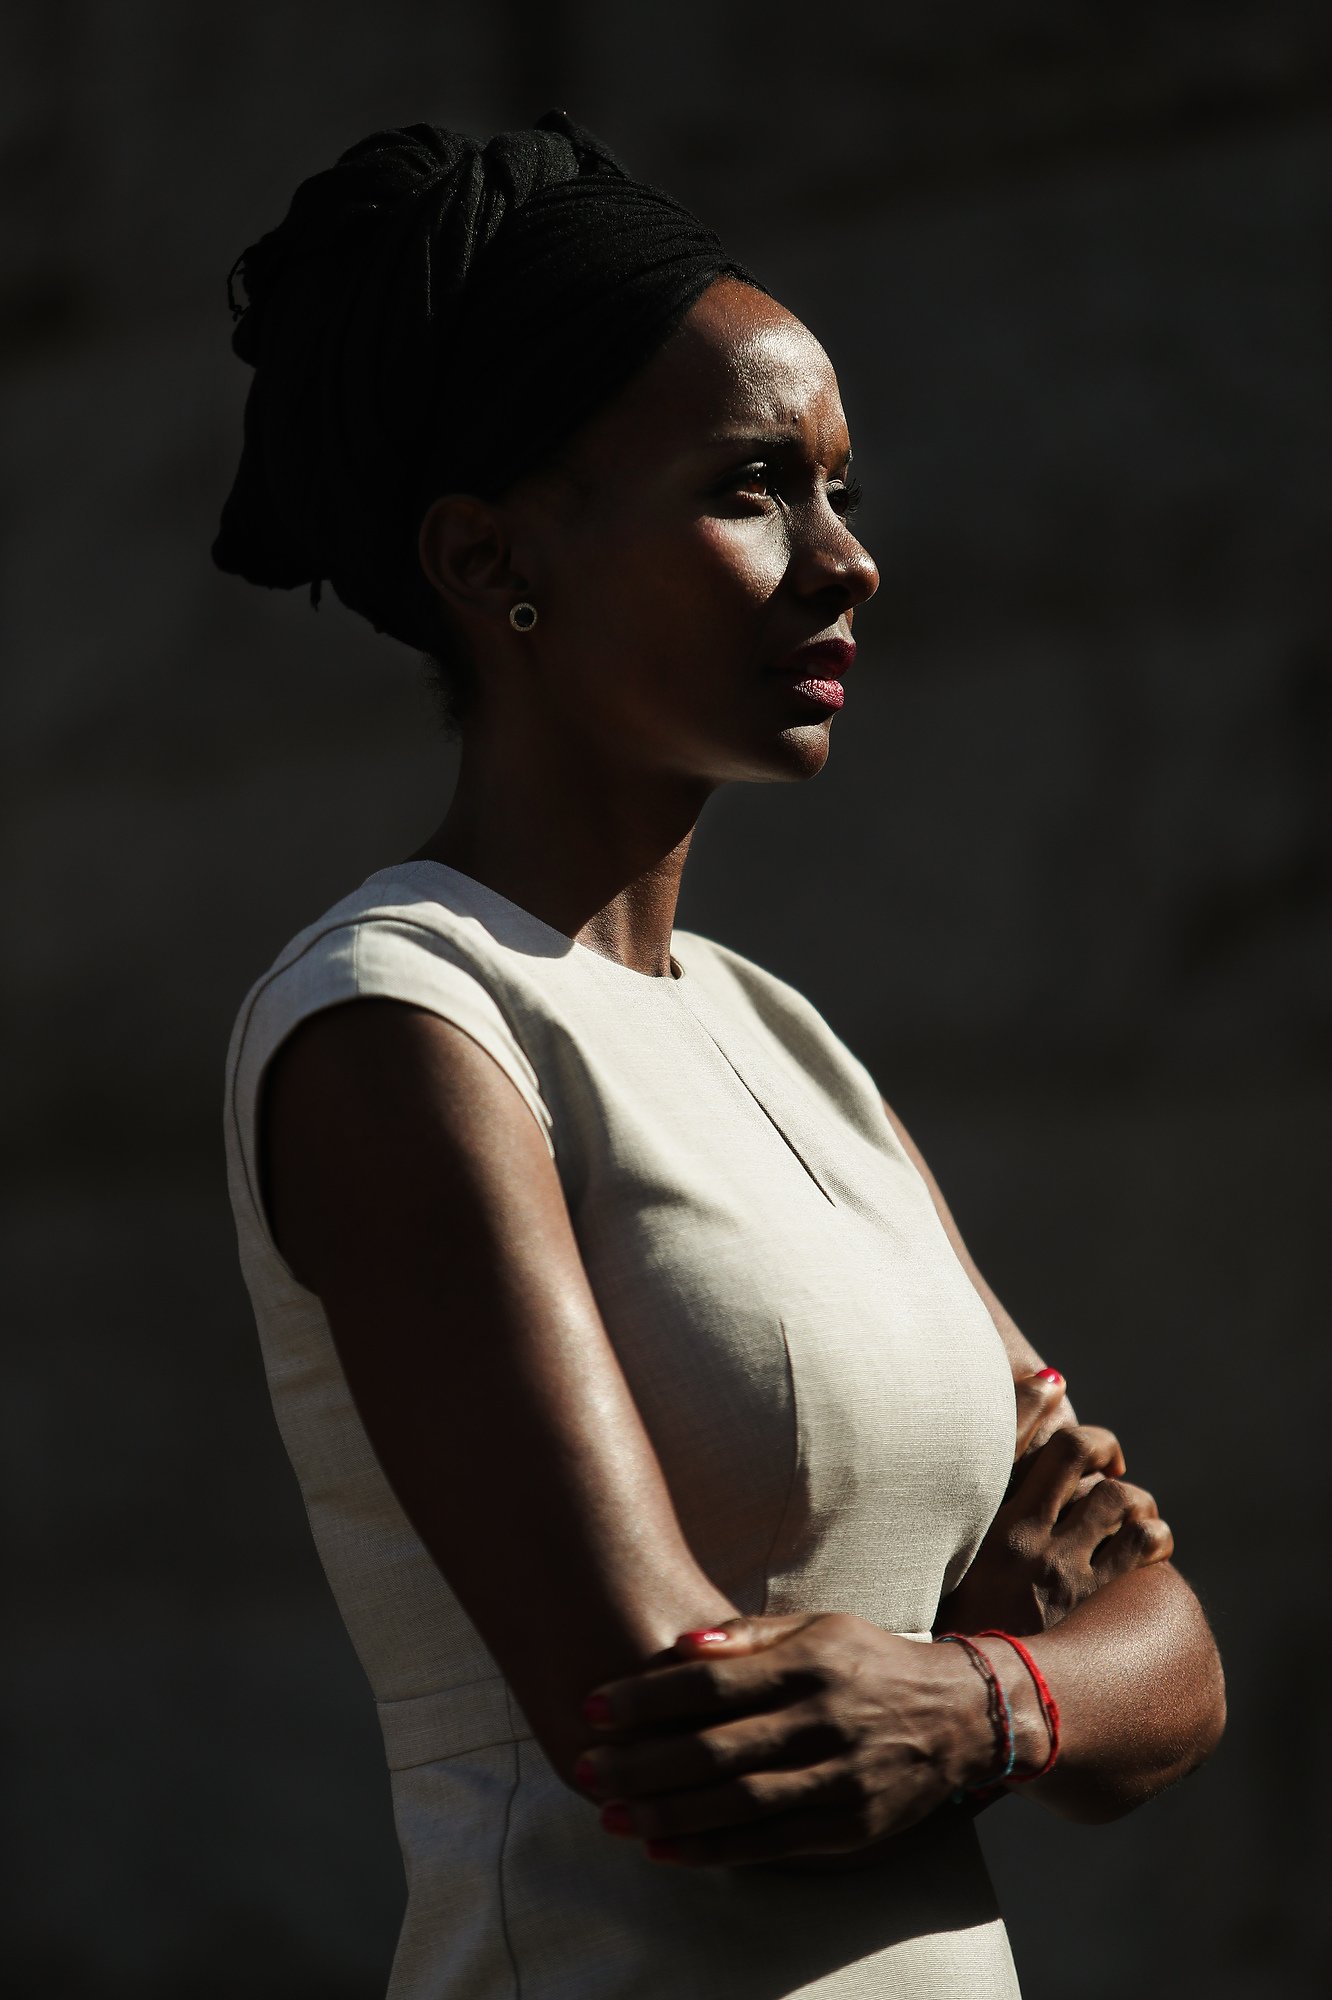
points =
(1064, 884)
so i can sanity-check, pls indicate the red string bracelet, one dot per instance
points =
(1001, 1719)
(1049, 1706)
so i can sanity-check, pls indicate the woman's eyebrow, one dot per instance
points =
(771, 441)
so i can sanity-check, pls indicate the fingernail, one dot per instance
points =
(661, 1850)
(596, 1708)
(711, 1637)
(1049, 1375)
(585, 1774)
(615, 1818)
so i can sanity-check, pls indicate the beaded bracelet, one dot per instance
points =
(1001, 1718)
(1049, 1706)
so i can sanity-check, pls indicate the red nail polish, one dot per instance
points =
(615, 1818)
(710, 1637)
(661, 1850)
(1049, 1375)
(596, 1708)
(585, 1774)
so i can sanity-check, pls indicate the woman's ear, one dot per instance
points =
(465, 553)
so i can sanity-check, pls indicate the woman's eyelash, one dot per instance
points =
(849, 493)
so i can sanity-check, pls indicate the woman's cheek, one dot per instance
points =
(748, 556)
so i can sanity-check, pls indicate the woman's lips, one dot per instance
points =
(829, 694)
(833, 656)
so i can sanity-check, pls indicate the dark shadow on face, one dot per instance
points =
(693, 538)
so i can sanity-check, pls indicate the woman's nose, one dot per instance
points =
(864, 571)
(837, 561)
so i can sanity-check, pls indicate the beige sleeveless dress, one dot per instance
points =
(831, 1404)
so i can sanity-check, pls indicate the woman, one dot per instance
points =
(649, 1412)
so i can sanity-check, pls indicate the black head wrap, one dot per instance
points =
(437, 316)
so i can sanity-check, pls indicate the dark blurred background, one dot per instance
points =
(1071, 266)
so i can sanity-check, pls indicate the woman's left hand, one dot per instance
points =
(824, 1736)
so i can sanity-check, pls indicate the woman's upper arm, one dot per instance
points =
(410, 1187)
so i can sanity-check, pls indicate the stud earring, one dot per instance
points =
(523, 617)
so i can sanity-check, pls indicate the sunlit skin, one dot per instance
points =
(697, 537)
(693, 537)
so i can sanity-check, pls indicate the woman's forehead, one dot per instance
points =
(750, 352)
(735, 371)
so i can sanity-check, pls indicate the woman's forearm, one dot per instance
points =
(1141, 1694)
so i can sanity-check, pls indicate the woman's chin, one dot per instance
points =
(792, 755)
(803, 750)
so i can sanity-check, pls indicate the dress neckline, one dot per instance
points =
(483, 889)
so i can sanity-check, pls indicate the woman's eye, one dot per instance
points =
(844, 498)
(753, 476)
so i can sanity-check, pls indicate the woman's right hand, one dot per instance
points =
(731, 1785)
(1069, 1523)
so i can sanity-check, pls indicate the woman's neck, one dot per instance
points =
(601, 861)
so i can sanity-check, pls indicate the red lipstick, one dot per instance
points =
(817, 668)
(828, 694)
